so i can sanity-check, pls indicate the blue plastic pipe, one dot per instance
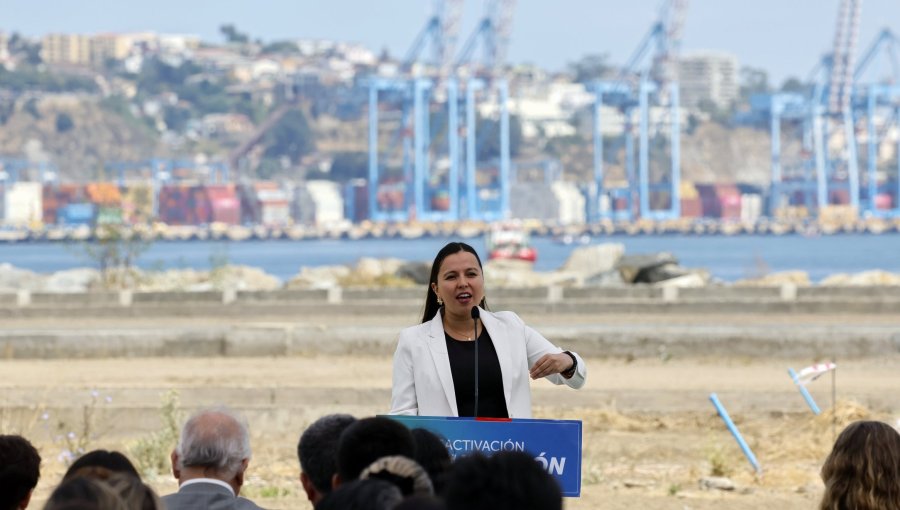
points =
(735, 432)
(803, 391)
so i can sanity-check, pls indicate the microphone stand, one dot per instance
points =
(475, 315)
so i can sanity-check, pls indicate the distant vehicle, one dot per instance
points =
(509, 242)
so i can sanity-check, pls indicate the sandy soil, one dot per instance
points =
(649, 429)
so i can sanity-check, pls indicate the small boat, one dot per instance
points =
(509, 242)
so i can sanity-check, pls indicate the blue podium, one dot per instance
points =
(555, 444)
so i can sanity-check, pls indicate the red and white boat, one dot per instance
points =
(509, 242)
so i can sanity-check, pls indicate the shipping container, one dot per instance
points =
(108, 215)
(688, 190)
(176, 205)
(59, 196)
(224, 204)
(137, 203)
(265, 203)
(356, 201)
(691, 207)
(76, 214)
(730, 206)
(751, 207)
(23, 204)
(328, 202)
(884, 201)
(103, 194)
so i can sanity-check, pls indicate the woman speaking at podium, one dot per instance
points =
(463, 360)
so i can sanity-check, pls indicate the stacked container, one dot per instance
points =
(265, 203)
(720, 201)
(23, 204)
(691, 207)
(137, 203)
(57, 198)
(107, 200)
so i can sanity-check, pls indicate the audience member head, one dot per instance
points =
(83, 493)
(362, 495)
(20, 469)
(863, 469)
(111, 460)
(214, 443)
(366, 441)
(133, 492)
(432, 455)
(504, 481)
(401, 471)
(317, 450)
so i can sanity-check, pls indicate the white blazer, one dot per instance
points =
(423, 382)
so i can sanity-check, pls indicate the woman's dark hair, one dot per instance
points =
(863, 469)
(431, 304)
(111, 460)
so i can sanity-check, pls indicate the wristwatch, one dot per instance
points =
(571, 371)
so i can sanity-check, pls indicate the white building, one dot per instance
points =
(711, 76)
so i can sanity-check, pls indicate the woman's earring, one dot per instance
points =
(440, 301)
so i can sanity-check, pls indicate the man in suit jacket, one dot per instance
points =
(209, 463)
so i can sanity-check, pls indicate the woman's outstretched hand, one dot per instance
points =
(550, 364)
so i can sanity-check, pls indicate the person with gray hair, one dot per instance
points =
(210, 461)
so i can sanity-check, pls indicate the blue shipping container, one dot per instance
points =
(76, 214)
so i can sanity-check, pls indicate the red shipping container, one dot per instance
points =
(224, 205)
(691, 208)
(730, 206)
(839, 197)
(884, 201)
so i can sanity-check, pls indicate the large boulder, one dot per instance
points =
(649, 268)
(72, 280)
(588, 261)
(242, 278)
(322, 277)
(512, 273)
(419, 272)
(13, 279)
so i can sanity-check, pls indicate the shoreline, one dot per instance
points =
(566, 234)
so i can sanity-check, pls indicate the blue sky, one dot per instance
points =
(786, 37)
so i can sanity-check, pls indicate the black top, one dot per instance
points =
(491, 401)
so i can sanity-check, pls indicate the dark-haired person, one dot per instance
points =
(20, 469)
(434, 363)
(504, 481)
(862, 472)
(432, 455)
(362, 495)
(317, 450)
(368, 440)
(111, 460)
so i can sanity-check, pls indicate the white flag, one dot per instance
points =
(811, 373)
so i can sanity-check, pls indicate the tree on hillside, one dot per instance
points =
(753, 81)
(232, 35)
(291, 137)
(591, 67)
(489, 137)
(792, 84)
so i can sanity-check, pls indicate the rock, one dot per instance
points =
(866, 278)
(592, 260)
(639, 268)
(241, 278)
(717, 483)
(13, 279)
(612, 278)
(799, 278)
(512, 273)
(322, 277)
(371, 268)
(72, 280)
(637, 484)
(694, 279)
(419, 272)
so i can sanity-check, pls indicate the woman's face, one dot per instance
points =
(460, 283)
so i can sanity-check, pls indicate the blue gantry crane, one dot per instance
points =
(648, 80)
(826, 109)
(485, 83)
(411, 142)
(430, 140)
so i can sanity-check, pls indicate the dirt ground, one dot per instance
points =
(650, 431)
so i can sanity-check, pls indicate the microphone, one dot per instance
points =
(475, 314)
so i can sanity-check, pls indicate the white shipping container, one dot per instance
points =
(751, 207)
(23, 204)
(275, 213)
(328, 202)
(571, 203)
